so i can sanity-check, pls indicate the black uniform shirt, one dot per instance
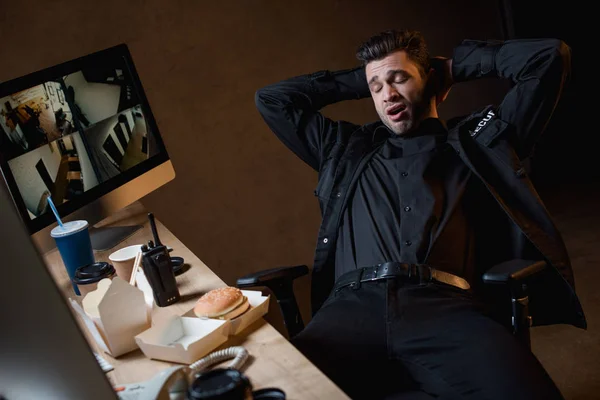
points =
(408, 198)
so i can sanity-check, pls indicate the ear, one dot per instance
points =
(437, 83)
(432, 84)
(441, 96)
(431, 72)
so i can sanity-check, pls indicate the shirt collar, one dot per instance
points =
(430, 133)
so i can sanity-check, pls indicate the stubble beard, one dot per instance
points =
(407, 126)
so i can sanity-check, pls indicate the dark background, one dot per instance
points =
(241, 201)
(565, 154)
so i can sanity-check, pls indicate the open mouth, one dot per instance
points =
(395, 109)
(397, 112)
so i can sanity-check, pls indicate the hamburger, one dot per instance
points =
(223, 303)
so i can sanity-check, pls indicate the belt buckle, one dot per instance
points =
(385, 275)
(374, 277)
(388, 272)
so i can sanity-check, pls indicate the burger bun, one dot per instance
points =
(222, 303)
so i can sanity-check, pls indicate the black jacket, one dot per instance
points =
(493, 142)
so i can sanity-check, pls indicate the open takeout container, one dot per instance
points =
(185, 339)
(113, 314)
(182, 339)
(259, 306)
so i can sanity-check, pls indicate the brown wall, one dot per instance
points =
(241, 201)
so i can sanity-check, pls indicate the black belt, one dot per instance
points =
(415, 273)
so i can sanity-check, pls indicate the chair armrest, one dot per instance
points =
(513, 271)
(280, 282)
(513, 274)
(262, 278)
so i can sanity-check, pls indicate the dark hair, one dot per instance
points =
(381, 45)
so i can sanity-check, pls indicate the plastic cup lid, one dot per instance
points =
(68, 228)
(93, 272)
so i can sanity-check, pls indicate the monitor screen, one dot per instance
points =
(74, 132)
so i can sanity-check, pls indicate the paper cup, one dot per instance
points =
(123, 260)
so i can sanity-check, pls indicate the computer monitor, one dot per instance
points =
(43, 353)
(81, 132)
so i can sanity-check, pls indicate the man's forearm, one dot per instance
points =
(317, 90)
(537, 67)
(291, 109)
(511, 59)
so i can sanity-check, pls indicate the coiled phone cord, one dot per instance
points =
(237, 353)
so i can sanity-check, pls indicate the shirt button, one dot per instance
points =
(325, 240)
(407, 208)
(338, 194)
(405, 174)
(408, 243)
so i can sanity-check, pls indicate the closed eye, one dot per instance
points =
(399, 76)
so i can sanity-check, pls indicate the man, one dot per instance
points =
(411, 189)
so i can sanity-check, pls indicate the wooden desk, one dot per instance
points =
(273, 362)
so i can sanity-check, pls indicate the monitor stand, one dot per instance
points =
(106, 238)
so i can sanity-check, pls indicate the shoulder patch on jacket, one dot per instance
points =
(487, 127)
(482, 123)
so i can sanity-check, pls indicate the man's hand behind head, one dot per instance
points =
(442, 75)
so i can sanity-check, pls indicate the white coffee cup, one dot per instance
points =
(123, 260)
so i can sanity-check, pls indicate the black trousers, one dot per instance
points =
(390, 340)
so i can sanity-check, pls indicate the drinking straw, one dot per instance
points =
(54, 211)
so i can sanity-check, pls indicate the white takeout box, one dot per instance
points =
(185, 339)
(114, 313)
(259, 306)
(182, 339)
(142, 283)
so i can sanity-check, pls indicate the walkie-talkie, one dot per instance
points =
(156, 263)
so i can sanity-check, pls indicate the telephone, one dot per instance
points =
(173, 383)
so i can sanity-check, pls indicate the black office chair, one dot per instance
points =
(510, 277)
